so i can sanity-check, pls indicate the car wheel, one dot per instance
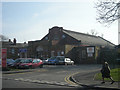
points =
(65, 63)
(41, 66)
(30, 67)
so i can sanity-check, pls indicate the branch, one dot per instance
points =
(107, 11)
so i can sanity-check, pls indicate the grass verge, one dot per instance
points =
(115, 73)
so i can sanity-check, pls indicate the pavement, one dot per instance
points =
(18, 71)
(87, 80)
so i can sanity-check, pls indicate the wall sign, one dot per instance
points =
(90, 49)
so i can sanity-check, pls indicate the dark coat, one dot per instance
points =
(105, 71)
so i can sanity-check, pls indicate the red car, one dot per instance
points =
(30, 63)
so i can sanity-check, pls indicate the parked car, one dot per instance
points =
(16, 63)
(60, 60)
(53, 61)
(45, 62)
(30, 63)
(10, 62)
(68, 61)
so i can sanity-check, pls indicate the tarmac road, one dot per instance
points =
(50, 76)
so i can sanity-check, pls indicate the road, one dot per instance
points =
(50, 76)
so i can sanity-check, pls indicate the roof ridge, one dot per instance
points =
(80, 33)
(106, 40)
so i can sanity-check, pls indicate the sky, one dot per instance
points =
(30, 20)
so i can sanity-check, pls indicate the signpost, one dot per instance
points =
(4, 57)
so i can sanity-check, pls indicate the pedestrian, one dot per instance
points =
(106, 72)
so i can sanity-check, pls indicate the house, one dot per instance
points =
(60, 42)
(15, 50)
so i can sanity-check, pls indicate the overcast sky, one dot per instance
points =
(28, 20)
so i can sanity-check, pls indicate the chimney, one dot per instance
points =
(14, 41)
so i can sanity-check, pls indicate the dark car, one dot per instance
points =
(16, 63)
(10, 62)
(53, 60)
(30, 63)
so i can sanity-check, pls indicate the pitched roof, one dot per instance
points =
(88, 39)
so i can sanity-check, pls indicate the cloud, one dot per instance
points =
(35, 15)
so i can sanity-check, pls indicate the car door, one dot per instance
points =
(34, 64)
(38, 62)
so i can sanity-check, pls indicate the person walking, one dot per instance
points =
(106, 72)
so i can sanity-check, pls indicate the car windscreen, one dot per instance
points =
(52, 58)
(60, 58)
(17, 60)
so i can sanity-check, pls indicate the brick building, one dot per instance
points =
(60, 42)
(15, 50)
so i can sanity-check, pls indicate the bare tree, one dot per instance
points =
(95, 33)
(108, 11)
(3, 38)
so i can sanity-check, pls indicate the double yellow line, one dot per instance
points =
(67, 79)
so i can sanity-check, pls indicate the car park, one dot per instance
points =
(30, 63)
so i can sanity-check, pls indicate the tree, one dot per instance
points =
(108, 11)
(93, 32)
(3, 38)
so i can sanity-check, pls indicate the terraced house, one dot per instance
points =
(62, 42)
(14, 49)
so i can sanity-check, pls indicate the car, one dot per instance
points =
(16, 63)
(68, 61)
(10, 62)
(45, 62)
(53, 61)
(60, 60)
(64, 61)
(30, 63)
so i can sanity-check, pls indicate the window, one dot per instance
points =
(38, 60)
(35, 61)
(26, 61)
(63, 36)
